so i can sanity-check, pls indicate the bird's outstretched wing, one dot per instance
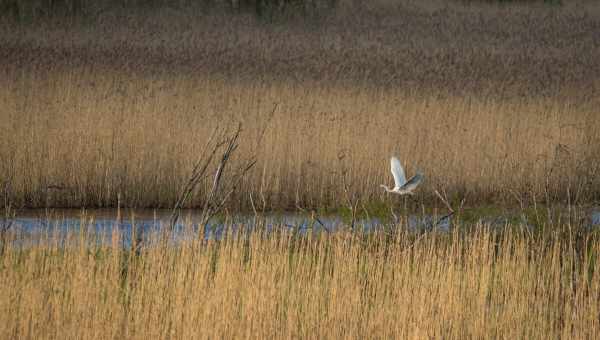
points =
(413, 182)
(398, 173)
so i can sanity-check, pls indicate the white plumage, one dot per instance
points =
(401, 185)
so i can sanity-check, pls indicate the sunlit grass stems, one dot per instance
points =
(488, 101)
(94, 143)
(340, 285)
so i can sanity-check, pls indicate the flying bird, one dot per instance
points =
(401, 185)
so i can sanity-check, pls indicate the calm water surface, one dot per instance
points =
(104, 222)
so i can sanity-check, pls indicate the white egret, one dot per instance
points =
(401, 185)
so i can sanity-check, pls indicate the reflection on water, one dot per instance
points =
(104, 222)
(595, 219)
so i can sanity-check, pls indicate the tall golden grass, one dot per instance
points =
(342, 285)
(68, 142)
(487, 101)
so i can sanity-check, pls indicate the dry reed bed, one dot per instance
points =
(487, 100)
(78, 139)
(343, 285)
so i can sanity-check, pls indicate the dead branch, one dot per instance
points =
(444, 200)
(210, 208)
(314, 215)
(198, 173)
(214, 208)
(451, 212)
(217, 196)
(351, 200)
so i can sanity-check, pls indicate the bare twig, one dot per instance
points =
(451, 211)
(198, 173)
(448, 215)
(314, 215)
(214, 208)
(396, 220)
(218, 195)
(254, 210)
(364, 207)
(351, 201)
(444, 200)
(210, 208)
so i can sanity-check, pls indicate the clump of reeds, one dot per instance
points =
(283, 285)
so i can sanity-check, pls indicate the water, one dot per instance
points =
(595, 219)
(104, 222)
(143, 223)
